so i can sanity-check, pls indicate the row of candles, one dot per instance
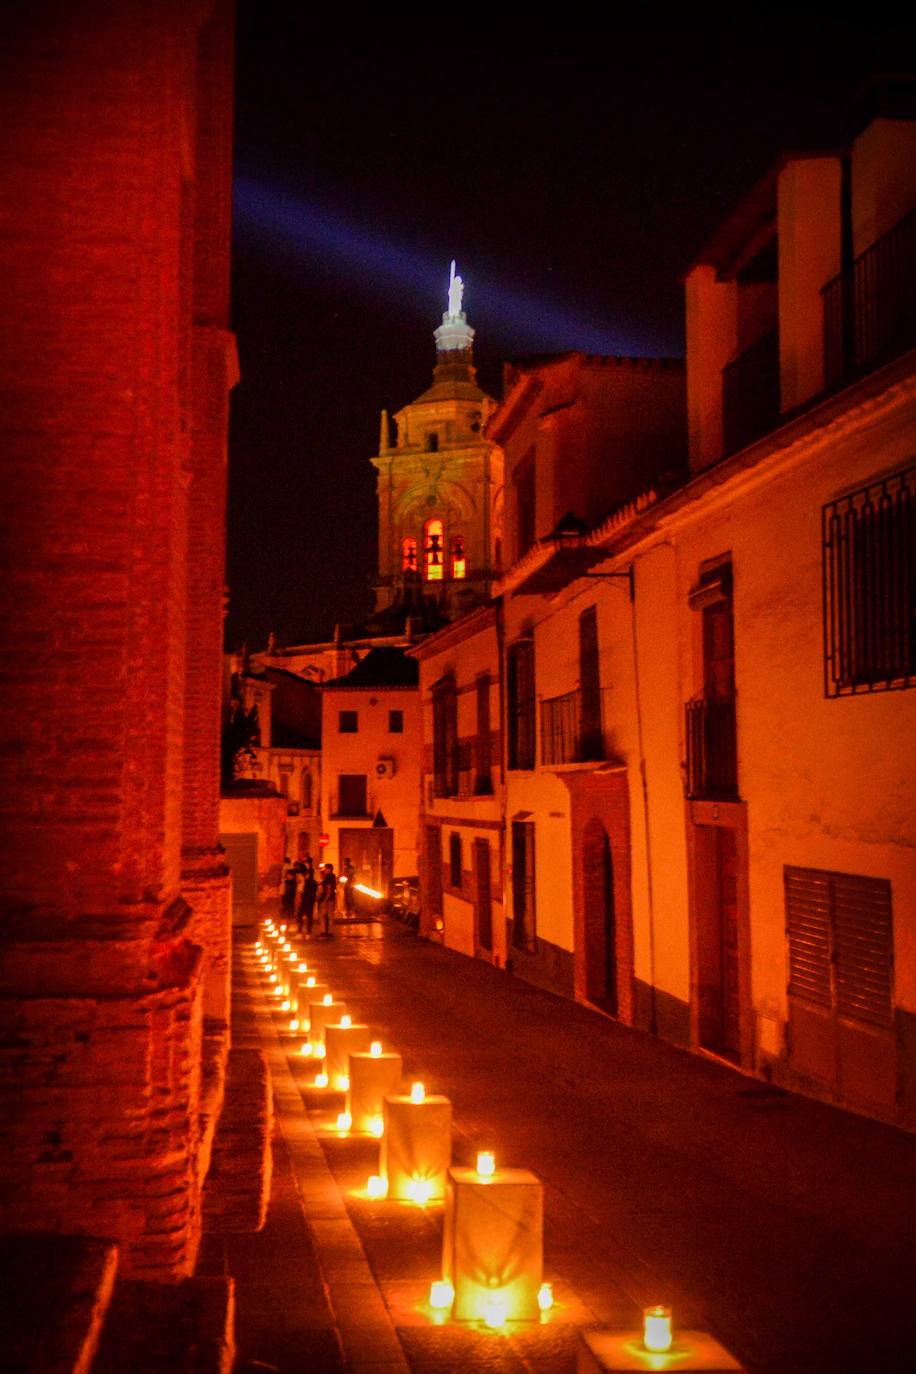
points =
(371, 1077)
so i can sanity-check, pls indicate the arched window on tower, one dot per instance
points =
(409, 555)
(433, 550)
(459, 565)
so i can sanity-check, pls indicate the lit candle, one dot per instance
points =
(286, 1005)
(273, 978)
(418, 1092)
(441, 1295)
(321, 1080)
(346, 1020)
(305, 1048)
(375, 1049)
(294, 1023)
(376, 1126)
(342, 1083)
(495, 1310)
(486, 1164)
(545, 1297)
(303, 968)
(310, 981)
(376, 1186)
(344, 1121)
(420, 1190)
(656, 1329)
(328, 998)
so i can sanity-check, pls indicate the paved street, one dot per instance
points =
(783, 1226)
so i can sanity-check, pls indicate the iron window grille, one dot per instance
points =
(869, 596)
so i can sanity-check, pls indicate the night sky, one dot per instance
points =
(573, 174)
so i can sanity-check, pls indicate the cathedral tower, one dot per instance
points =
(440, 484)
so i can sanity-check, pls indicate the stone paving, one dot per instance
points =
(783, 1226)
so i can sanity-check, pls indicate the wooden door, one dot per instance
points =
(483, 895)
(717, 943)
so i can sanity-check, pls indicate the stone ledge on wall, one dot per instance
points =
(238, 1185)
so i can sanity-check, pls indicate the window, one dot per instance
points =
(520, 693)
(283, 784)
(483, 781)
(348, 722)
(433, 550)
(524, 923)
(454, 859)
(395, 722)
(432, 442)
(459, 564)
(870, 588)
(591, 742)
(840, 934)
(711, 718)
(351, 794)
(305, 789)
(409, 555)
(445, 738)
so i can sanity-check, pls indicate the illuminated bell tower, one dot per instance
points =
(440, 484)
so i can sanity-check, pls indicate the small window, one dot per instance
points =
(454, 859)
(524, 920)
(348, 722)
(445, 738)
(305, 789)
(395, 722)
(432, 442)
(433, 551)
(459, 564)
(520, 703)
(409, 555)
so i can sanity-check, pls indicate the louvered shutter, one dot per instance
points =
(863, 945)
(808, 928)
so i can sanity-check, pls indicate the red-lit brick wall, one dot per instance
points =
(112, 421)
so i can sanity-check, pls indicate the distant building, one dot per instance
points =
(439, 487)
(371, 747)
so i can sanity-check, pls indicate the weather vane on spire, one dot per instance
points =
(455, 292)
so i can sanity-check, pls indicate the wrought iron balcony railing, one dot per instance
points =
(712, 750)
(750, 393)
(566, 736)
(870, 310)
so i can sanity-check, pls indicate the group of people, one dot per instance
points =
(305, 896)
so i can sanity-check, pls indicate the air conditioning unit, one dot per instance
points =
(384, 768)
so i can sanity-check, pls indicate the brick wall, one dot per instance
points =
(116, 364)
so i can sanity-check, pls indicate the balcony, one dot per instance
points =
(566, 737)
(712, 750)
(870, 310)
(750, 393)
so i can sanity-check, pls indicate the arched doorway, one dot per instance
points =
(600, 918)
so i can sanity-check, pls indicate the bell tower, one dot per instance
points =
(440, 485)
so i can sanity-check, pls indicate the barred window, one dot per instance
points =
(869, 592)
(521, 703)
(445, 738)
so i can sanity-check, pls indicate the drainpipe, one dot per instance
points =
(501, 679)
(653, 1022)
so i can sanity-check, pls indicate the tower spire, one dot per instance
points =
(454, 335)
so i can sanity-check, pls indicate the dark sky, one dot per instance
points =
(573, 173)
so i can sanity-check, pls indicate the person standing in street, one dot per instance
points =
(307, 899)
(327, 898)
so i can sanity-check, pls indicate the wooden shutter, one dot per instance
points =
(863, 948)
(808, 927)
(840, 933)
